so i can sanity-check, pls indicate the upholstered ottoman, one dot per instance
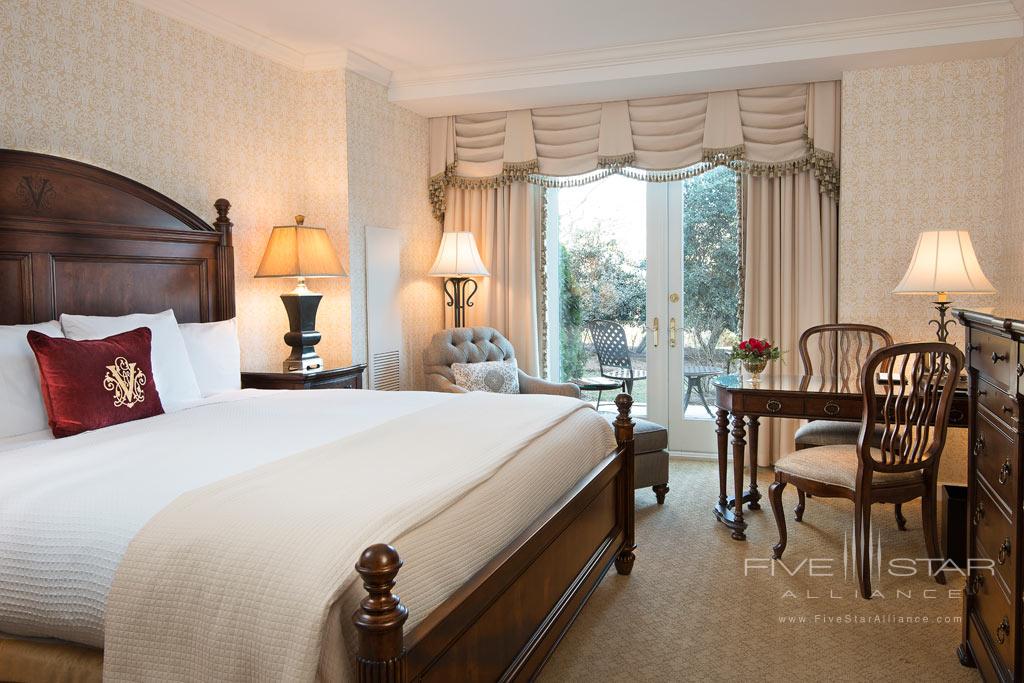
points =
(650, 442)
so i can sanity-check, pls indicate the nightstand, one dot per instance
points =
(331, 378)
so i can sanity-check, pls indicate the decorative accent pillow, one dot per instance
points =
(172, 369)
(97, 383)
(497, 377)
(21, 403)
(214, 351)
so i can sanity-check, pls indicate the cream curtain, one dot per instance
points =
(790, 262)
(504, 221)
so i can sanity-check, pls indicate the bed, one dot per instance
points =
(474, 605)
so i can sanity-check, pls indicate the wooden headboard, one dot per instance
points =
(78, 239)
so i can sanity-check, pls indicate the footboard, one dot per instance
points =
(504, 622)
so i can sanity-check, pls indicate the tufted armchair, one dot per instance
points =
(476, 345)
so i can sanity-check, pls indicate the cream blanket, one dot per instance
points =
(234, 581)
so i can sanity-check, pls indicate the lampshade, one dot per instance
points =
(944, 262)
(299, 251)
(458, 257)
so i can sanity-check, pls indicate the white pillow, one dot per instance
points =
(172, 370)
(21, 401)
(215, 354)
(496, 376)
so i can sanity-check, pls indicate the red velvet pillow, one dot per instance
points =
(96, 383)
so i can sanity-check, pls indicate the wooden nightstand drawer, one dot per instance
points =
(996, 461)
(1001, 405)
(994, 537)
(333, 378)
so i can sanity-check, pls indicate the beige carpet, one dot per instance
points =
(688, 612)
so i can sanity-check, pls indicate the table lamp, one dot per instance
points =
(944, 263)
(301, 251)
(459, 261)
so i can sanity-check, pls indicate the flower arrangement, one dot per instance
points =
(755, 353)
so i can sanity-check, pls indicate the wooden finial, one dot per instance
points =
(623, 423)
(299, 219)
(380, 617)
(223, 223)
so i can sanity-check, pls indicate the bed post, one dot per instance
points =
(225, 262)
(624, 437)
(379, 618)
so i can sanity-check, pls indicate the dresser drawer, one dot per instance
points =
(829, 409)
(1001, 405)
(992, 357)
(994, 616)
(994, 537)
(996, 460)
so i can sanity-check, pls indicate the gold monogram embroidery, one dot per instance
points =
(125, 380)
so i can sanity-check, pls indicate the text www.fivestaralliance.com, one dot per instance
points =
(841, 619)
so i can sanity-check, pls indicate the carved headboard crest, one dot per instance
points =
(75, 238)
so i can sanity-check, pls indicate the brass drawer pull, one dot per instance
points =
(1004, 551)
(1020, 369)
(979, 445)
(773, 406)
(979, 514)
(974, 584)
(996, 357)
(1004, 472)
(973, 347)
(831, 408)
(982, 392)
(1003, 630)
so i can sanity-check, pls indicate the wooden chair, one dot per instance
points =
(613, 352)
(838, 351)
(915, 398)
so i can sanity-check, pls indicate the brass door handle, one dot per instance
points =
(672, 332)
(657, 332)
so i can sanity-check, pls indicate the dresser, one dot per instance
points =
(993, 592)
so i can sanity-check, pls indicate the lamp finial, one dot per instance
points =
(299, 218)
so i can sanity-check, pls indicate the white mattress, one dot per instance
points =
(69, 507)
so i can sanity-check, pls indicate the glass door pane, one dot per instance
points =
(597, 289)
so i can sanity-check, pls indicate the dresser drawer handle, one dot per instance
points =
(1003, 630)
(973, 347)
(979, 445)
(979, 514)
(1020, 369)
(831, 408)
(974, 584)
(982, 392)
(1008, 410)
(1004, 551)
(996, 357)
(773, 406)
(1004, 472)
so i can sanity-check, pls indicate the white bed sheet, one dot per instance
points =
(69, 507)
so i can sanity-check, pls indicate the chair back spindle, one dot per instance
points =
(916, 394)
(839, 350)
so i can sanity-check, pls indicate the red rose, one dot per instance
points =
(743, 346)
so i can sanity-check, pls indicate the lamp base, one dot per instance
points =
(301, 305)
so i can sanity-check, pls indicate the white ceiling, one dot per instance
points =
(445, 56)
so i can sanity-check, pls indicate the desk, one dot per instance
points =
(794, 396)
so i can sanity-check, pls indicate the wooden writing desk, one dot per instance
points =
(804, 397)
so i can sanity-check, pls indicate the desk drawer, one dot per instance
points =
(1001, 405)
(782, 405)
(996, 459)
(832, 409)
(994, 537)
(992, 356)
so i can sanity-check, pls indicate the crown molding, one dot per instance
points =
(265, 46)
(432, 91)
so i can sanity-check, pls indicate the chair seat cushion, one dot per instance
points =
(832, 433)
(837, 465)
(647, 436)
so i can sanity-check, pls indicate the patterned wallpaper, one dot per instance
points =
(387, 168)
(1013, 177)
(922, 150)
(116, 85)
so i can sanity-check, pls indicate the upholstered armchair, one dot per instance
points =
(476, 345)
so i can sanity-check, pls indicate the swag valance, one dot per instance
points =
(769, 132)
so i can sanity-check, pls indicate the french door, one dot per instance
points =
(643, 280)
